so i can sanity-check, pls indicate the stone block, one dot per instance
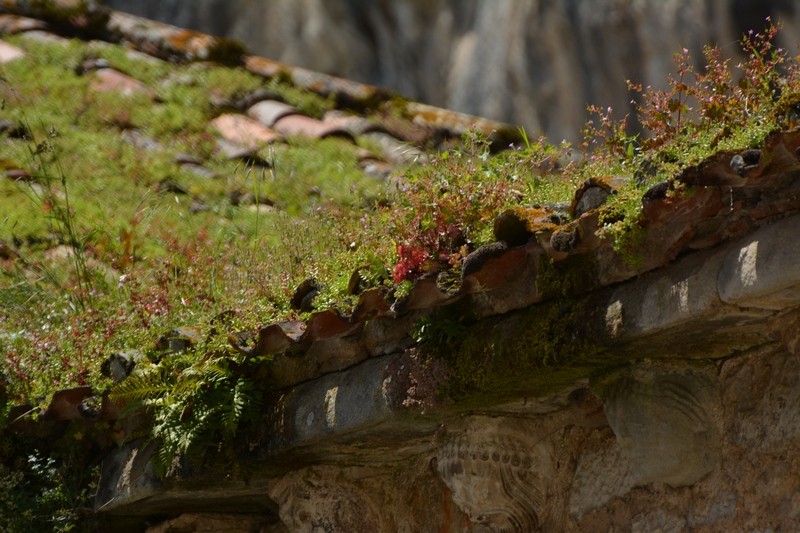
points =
(333, 404)
(667, 422)
(666, 298)
(763, 269)
(127, 477)
(601, 474)
(762, 400)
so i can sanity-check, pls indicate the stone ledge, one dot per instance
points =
(676, 311)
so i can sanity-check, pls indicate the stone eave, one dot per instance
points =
(727, 299)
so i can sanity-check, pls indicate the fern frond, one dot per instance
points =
(139, 388)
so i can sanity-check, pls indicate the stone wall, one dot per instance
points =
(658, 446)
(535, 63)
(686, 416)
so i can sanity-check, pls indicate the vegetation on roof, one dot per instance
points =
(108, 244)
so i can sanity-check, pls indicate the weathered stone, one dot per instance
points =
(602, 473)
(786, 327)
(667, 422)
(312, 501)
(388, 497)
(664, 299)
(716, 508)
(332, 404)
(387, 335)
(763, 269)
(213, 523)
(498, 471)
(127, 477)
(322, 357)
(658, 520)
(761, 400)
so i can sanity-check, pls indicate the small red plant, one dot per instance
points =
(410, 262)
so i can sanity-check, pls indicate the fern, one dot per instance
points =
(138, 388)
(195, 403)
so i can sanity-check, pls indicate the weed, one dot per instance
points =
(197, 399)
(445, 209)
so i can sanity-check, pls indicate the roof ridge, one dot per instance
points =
(173, 43)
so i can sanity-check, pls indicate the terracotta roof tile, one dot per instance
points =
(347, 92)
(354, 124)
(9, 52)
(109, 79)
(10, 24)
(169, 42)
(459, 123)
(45, 36)
(243, 131)
(65, 404)
(268, 112)
(305, 126)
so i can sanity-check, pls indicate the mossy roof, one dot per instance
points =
(112, 112)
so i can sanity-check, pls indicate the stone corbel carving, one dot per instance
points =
(667, 421)
(498, 470)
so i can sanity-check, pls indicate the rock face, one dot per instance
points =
(532, 63)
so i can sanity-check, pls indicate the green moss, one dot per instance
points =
(312, 172)
(94, 17)
(525, 354)
(306, 101)
(148, 70)
(569, 278)
(227, 51)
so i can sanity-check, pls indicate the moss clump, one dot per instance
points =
(86, 15)
(529, 353)
(569, 278)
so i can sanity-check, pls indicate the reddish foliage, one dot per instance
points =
(410, 263)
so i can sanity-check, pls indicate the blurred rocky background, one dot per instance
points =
(531, 62)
